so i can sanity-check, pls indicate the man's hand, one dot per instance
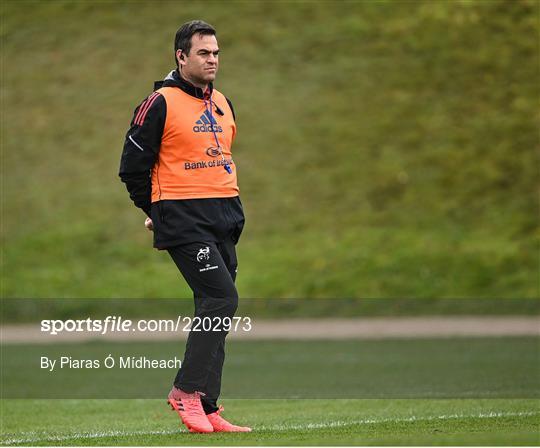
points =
(149, 224)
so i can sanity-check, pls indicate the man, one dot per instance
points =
(178, 168)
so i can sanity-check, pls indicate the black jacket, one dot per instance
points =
(175, 221)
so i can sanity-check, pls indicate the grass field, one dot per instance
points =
(18, 310)
(506, 367)
(277, 422)
(385, 148)
(482, 391)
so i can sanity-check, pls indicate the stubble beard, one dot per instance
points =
(202, 79)
(199, 79)
(208, 78)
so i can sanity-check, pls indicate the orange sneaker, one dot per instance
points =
(221, 425)
(190, 410)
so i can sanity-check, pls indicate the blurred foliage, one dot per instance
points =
(385, 148)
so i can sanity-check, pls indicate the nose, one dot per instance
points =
(212, 58)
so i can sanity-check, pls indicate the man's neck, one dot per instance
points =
(193, 82)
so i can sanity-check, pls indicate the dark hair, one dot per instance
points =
(182, 40)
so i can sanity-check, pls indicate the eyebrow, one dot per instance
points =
(203, 50)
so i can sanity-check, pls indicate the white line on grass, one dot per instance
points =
(34, 437)
(412, 419)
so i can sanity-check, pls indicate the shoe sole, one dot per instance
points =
(224, 430)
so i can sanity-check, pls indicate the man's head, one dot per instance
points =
(196, 52)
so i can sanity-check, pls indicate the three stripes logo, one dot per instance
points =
(207, 123)
(145, 107)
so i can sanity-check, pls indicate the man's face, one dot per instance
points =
(201, 65)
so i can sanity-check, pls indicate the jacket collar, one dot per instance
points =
(173, 79)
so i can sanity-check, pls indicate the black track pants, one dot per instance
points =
(210, 270)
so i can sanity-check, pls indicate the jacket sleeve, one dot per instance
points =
(141, 149)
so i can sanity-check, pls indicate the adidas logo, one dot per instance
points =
(207, 123)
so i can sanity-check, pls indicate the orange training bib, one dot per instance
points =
(190, 164)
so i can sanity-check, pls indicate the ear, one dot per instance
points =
(180, 57)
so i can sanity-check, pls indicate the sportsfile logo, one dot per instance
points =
(207, 123)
